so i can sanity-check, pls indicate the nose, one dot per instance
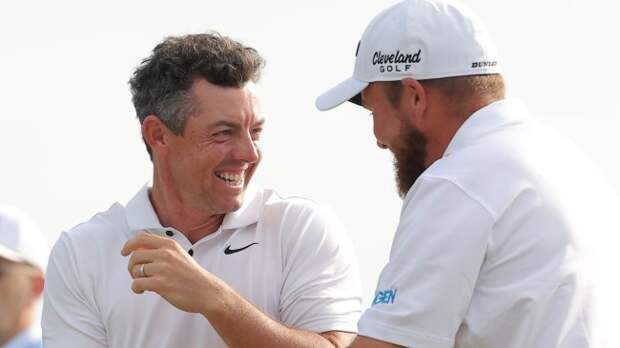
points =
(247, 150)
(376, 131)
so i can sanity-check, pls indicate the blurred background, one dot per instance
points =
(70, 144)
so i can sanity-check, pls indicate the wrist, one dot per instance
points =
(217, 297)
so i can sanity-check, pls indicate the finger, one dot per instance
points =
(144, 241)
(143, 256)
(137, 271)
(150, 270)
(140, 285)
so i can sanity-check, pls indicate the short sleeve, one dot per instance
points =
(425, 289)
(321, 288)
(70, 317)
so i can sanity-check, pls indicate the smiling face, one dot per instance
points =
(209, 166)
(394, 132)
(387, 121)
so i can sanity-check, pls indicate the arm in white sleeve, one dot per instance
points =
(70, 316)
(425, 289)
(321, 290)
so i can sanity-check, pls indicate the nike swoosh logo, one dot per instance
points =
(229, 251)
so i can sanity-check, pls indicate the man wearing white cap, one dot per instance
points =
(23, 255)
(500, 216)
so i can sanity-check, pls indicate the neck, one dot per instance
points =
(173, 211)
(22, 324)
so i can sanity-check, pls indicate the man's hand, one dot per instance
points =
(160, 265)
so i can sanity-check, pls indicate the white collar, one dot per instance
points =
(141, 215)
(486, 120)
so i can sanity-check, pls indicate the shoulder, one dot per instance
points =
(300, 217)
(109, 224)
(288, 206)
(277, 199)
(90, 239)
(82, 258)
(496, 169)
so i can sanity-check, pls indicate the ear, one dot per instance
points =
(38, 282)
(415, 99)
(155, 133)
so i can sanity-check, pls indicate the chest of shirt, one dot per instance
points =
(248, 259)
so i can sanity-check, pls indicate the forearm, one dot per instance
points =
(241, 324)
(162, 266)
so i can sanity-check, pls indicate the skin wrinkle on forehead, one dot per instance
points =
(234, 110)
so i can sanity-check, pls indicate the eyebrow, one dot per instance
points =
(233, 124)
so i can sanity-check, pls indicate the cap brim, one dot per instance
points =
(348, 90)
(10, 255)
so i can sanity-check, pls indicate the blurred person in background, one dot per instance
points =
(23, 256)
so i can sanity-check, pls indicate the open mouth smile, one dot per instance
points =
(231, 179)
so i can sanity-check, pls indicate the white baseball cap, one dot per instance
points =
(21, 240)
(422, 39)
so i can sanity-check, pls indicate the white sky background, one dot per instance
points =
(70, 143)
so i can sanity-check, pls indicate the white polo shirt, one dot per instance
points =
(495, 244)
(289, 256)
(29, 338)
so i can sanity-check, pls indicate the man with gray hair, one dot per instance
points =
(503, 223)
(23, 256)
(201, 257)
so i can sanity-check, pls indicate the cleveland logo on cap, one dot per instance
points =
(396, 61)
